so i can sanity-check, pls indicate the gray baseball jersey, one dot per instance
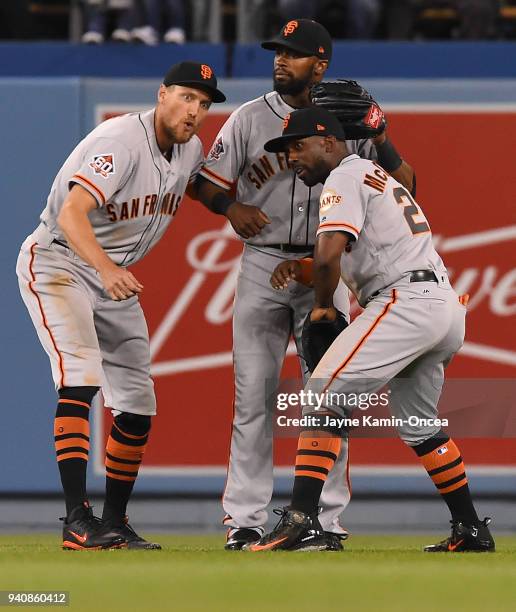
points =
(92, 340)
(265, 179)
(137, 190)
(409, 330)
(391, 235)
(264, 319)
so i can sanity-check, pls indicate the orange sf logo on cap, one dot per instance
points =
(206, 71)
(285, 121)
(320, 127)
(290, 28)
(321, 49)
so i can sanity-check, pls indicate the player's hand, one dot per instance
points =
(285, 272)
(380, 139)
(318, 314)
(119, 283)
(247, 220)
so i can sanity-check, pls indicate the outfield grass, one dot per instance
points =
(194, 573)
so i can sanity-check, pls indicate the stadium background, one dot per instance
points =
(452, 112)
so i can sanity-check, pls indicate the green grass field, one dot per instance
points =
(194, 573)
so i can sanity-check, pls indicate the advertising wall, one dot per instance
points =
(462, 147)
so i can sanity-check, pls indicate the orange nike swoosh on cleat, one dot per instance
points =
(452, 547)
(81, 539)
(257, 547)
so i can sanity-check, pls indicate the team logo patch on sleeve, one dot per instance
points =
(328, 199)
(217, 149)
(103, 164)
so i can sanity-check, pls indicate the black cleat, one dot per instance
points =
(238, 538)
(466, 538)
(294, 531)
(334, 540)
(133, 540)
(83, 531)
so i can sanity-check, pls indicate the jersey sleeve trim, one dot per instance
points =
(91, 187)
(215, 178)
(335, 227)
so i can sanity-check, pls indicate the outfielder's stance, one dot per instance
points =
(280, 223)
(374, 235)
(109, 205)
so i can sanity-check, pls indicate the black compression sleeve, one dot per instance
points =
(388, 157)
(221, 202)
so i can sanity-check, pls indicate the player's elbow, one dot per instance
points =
(205, 190)
(63, 217)
(66, 218)
(413, 188)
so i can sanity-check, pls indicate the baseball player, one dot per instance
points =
(375, 236)
(278, 223)
(110, 203)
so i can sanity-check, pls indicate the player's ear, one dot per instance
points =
(329, 143)
(320, 67)
(162, 92)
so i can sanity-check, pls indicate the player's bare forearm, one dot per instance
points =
(326, 266)
(75, 224)
(404, 175)
(80, 237)
(326, 279)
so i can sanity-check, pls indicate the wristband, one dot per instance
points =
(388, 157)
(221, 202)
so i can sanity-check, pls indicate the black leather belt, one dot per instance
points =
(291, 248)
(420, 276)
(416, 276)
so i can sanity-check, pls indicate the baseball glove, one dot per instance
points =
(359, 114)
(318, 336)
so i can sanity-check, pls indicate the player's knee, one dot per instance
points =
(424, 443)
(134, 424)
(325, 421)
(78, 394)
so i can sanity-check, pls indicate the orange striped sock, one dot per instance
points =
(317, 452)
(72, 444)
(445, 467)
(442, 460)
(124, 454)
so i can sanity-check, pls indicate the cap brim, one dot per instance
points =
(216, 94)
(277, 145)
(272, 45)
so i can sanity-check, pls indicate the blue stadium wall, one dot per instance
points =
(48, 95)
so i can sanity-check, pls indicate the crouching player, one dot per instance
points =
(374, 235)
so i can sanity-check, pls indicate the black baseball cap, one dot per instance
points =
(198, 76)
(305, 122)
(304, 36)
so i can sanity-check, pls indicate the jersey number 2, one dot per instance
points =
(411, 211)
